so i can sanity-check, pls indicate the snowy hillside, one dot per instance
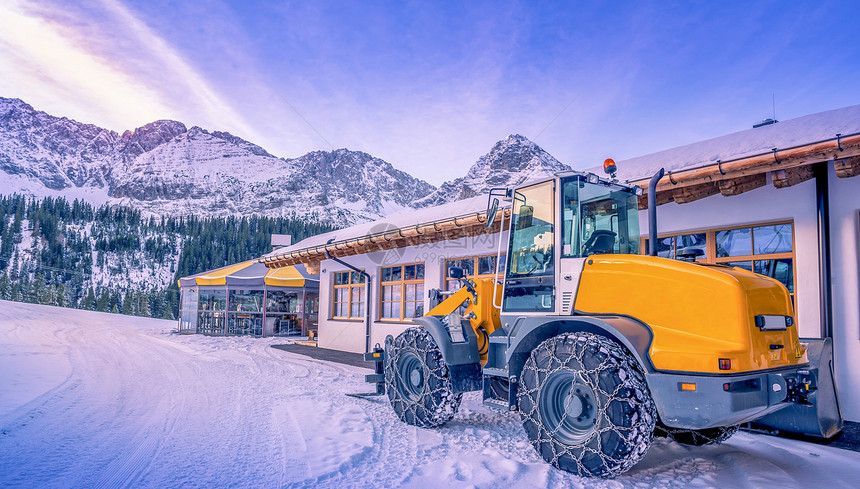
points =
(100, 400)
(512, 161)
(111, 258)
(164, 168)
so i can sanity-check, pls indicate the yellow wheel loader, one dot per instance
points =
(599, 348)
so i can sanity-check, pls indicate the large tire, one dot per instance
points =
(697, 438)
(585, 405)
(418, 381)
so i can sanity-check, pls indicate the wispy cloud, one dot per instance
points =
(55, 61)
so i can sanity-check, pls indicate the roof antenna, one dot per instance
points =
(773, 103)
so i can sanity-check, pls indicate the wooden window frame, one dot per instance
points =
(402, 283)
(351, 287)
(711, 247)
(475, 266)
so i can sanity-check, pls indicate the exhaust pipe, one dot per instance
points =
(652, 211)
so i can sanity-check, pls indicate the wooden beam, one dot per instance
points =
(737, 186)
(791, 176)
(685, 195)
(662, 198)
(454, 228)
(847, 167)
(313, 267)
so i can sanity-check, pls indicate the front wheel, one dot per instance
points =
(418, 381)
(585, 405)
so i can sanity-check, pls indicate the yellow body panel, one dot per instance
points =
(699, 314)
(486, 316)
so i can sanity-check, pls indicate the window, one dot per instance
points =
(245, 312)
(767, 249)
(348, 295)
(212, 305)
(474, 267)
(598, 218)
(531, 273)
(283, 313)
(188, 311)
(402, 292)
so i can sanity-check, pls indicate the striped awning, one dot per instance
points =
(289, 276)
(253, 273)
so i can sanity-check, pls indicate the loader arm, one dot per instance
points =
(483, 317)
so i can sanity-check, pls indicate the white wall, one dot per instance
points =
(350, 335)
(845, 280)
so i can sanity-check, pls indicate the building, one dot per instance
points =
(778, 199)
(249, 299)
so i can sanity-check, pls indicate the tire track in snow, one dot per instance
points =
(125, 470)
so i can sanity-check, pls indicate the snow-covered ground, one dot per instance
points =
(101, 400)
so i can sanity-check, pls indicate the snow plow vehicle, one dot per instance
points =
(598, 348)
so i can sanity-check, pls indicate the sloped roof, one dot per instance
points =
(399, 220)
(783, 135)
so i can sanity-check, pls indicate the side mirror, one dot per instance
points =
(456, 273)
(491, 213)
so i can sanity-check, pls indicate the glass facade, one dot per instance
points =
(256, 311)
(188, 310)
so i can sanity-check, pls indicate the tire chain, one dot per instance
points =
(698, 438)
(632, 391)
(437, 403)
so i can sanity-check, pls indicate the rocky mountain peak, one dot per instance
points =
(149, 137)
(512, 161)
(10, 104)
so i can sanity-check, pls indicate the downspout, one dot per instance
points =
(652, 212)
(822, 199)
(367, 305)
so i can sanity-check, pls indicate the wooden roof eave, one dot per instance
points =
(688, 185)
(455, 227)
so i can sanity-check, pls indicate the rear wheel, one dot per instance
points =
(585, 405)
(418, 381)
(697, 438)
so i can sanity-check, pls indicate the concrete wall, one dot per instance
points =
(350, 335)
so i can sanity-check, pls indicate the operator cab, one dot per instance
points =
(596, 216)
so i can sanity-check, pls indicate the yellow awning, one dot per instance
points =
(219, 277)
(285, 277)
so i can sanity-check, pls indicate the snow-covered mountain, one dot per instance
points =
(166, 168)
(512, 161)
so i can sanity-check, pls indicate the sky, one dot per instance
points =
(431, 86)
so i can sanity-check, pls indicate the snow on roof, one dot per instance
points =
(398, 220)
(782, 135)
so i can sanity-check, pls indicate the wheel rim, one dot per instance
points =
(568, 408)
(410, 376)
